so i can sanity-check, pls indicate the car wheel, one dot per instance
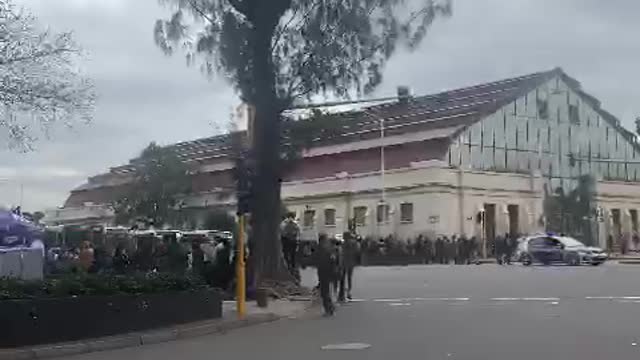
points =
(573, 260)
(596, 263)
(526, 259)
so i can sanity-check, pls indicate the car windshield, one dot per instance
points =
(571, 242)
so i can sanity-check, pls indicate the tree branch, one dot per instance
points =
(240, 6)
(293, 17)
(200, 11)
(36, 55)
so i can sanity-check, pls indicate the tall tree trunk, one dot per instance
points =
(265, 215)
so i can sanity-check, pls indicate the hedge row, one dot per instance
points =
(93, 284)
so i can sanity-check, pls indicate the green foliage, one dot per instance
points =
(277, 52)
(301, 134)
(220, 220)
(37, 216)
(90, 284)
(572, 212)
(160, 177)
(315, 46)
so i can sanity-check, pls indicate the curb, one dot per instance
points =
(217, 326)
(629, 262)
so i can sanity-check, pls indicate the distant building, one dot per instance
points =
(472, 161)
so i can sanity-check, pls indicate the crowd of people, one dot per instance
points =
(335, 258)
(212, 260)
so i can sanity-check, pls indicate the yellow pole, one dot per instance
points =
(240, 277)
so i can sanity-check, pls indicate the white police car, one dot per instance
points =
(550, 248)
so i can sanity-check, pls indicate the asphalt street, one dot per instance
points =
(446, 312)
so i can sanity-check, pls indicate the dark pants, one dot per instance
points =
(345, 281)
(325, 293)
(289, 248)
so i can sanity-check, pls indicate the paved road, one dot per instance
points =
(447, 312)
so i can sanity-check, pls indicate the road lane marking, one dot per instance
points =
(612, 297)
(553, 299)
(346, 346)
(423, 299)
(399, 304)
(444, 299)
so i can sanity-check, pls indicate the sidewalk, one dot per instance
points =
(276, 310)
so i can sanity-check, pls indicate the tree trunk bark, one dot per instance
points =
(265, 215)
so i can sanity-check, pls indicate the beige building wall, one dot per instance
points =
(445, 201)
(621, 196)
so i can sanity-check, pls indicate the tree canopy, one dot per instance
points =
(572, 212)
(160, 178)
(41, 84)
(277, 52)
(316, 46)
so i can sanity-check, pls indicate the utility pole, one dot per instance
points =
(243, 196)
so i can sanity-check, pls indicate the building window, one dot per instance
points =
(309, 218)
(543, 109)
(360, 215)
(406, 213)
(574, 115)
(329, 217)
(382, 213)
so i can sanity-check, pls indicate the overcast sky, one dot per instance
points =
(146, 96)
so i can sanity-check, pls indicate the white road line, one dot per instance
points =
(439, 299)
(423, 299)
(526, 299)
(346, 346)
(612, 297)
(399, 304)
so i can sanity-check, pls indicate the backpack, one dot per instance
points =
(290, 230)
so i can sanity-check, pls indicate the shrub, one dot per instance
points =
(95, 284)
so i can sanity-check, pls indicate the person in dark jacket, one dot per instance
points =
(464, 250)
(325, 264)
(447, 250)
(428, 251)
(509, 247)
(350, 251)
(438, 247)
(500, 246)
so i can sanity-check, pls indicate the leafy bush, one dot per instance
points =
(93, 284)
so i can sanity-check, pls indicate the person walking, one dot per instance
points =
(464, 250)
(509, 247)
(500, 249)
(290, 234)
(350, 251)
(428, 251)
(438, 247)
(473, 250)
(325, 265)
(448, 250)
